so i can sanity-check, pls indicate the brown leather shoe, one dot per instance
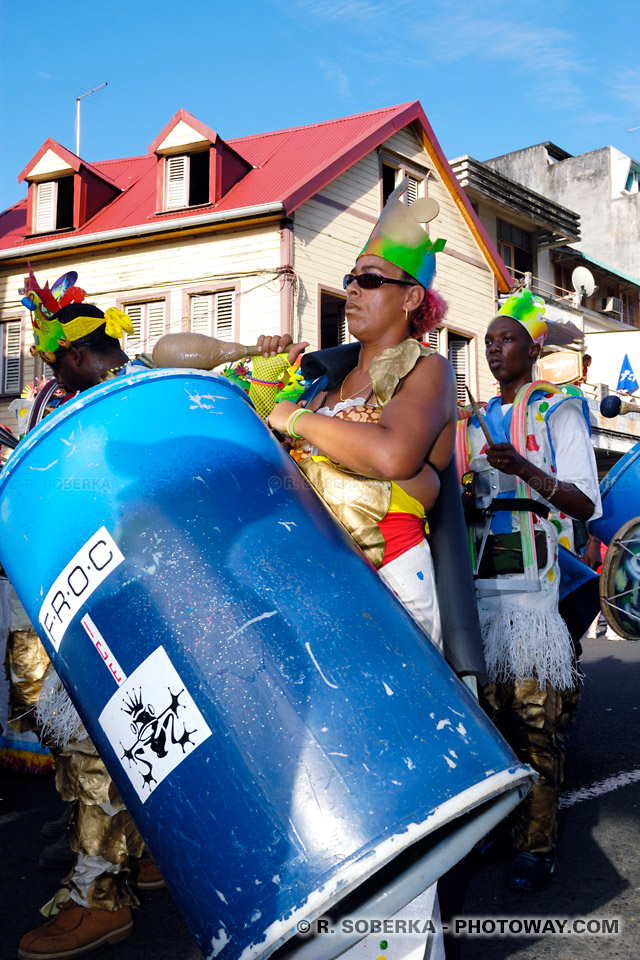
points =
(75, 930)
(145, 875)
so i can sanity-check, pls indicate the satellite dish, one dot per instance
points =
(583, 282)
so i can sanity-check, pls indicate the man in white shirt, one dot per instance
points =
(541, 450)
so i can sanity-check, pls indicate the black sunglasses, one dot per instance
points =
(371, 281)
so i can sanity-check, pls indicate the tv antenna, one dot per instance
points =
(583, 284)
(78, 99)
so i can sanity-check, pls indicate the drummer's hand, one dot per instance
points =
(505, 458)
(280, 414)
(270, 346)
(591, 555)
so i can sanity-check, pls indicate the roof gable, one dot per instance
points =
(182, 130)
(51, 159)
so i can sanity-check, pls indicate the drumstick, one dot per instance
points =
(481, 420)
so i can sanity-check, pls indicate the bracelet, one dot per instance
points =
(264, 383)
(548, 496)
(538, 487)
(291, 422)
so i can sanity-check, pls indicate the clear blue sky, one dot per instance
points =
(492, 75)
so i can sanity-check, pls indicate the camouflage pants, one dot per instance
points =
(102, 834)
(536, 724)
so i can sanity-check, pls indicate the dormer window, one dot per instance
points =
(54, 205)
(64, 190)
(187, 180)
(194, 166)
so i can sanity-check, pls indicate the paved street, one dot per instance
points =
(599, 871)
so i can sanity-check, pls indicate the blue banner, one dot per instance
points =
(627, 379)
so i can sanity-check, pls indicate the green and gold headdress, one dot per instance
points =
(400, 238)
(527, 310)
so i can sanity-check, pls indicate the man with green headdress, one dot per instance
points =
(80, 343)
(540, 456)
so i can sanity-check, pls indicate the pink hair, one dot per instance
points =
(428, 315)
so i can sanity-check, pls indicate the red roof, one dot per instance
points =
(289, 166)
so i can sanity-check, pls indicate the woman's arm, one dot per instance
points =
(395, 447)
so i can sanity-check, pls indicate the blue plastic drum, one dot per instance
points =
(579, 593)
(620, 492)
(279, 728)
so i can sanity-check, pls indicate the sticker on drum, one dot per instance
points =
(620, 581)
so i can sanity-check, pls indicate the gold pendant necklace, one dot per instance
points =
(355, 393)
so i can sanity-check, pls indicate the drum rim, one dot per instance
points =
(607, 580)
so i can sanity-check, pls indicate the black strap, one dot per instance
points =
(526, 504)
(333, 362)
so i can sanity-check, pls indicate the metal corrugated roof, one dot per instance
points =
(605, 266)
(288, 168)
(284, 162)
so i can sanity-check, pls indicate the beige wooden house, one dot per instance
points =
(241, 237)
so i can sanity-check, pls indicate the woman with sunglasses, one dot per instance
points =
(374, 442)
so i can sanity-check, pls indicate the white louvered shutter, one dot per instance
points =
(12, 358)
(412, 190)
(224, 315)
(458, 357)
(434, 339)
(46, 199)
(200, 320)
(155, 323)
(177, 183)
(133, 341)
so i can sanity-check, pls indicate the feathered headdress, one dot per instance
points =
(48, 332)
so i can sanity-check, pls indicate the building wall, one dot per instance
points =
(329, 232)
(245, 260)
(592, 184)
(328, 240)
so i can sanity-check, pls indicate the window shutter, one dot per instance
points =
(155, 323)
(458, 357)
(412, 190)
(46, 199)
(224, 315)
(200, 321)
(177, 185)
(434, 339)
(12, 357)
(133, 341)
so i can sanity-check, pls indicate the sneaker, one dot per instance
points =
(58, 855)
(75, 930)
(55, 828)
(532, 872)
(145, 875)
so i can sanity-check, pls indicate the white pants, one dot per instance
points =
(412, 579)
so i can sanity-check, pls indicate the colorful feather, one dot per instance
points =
(72, 295)
(63, 283)
(49, 300)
